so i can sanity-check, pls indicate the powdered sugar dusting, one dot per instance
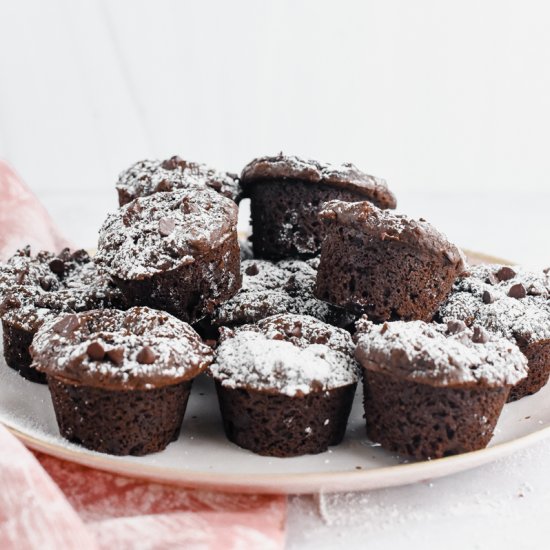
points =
(269, 288)
(481, 299)
(429, 354)
(345, 175)
(176, 349)
(150, 176)
(288, 354)
(164, 231)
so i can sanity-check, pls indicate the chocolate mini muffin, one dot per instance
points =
(151, 176)
(286, 195)
(174, 251)
(385, 265)
(285, 385)
(34, 289)
(271, 288)
(434, 390)
(120, 381)
(509, 302)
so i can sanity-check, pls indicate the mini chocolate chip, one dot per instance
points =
(57, 265)
(21, 276)
(173, 163)
(252, 270)
(164, 185)
(45, 283)
(384, 328)
(116, 355)
(66, 324)
(95, 351)
(517, 291)
(487, 297)
(480, 336)
(146, 356)
(505, 273)
(454, 326)
(166, 226)
(80, 256)
(215, 184)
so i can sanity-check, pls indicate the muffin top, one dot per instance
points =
(285, 354)
(346, 176)
(270, 288)
(164, 231)
(507, 301)
(36, 288)
(440, 355)
(141, 348)
(151, 176)
(381, 225)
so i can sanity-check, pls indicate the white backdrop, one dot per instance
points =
(449, 101)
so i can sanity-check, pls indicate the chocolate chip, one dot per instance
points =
(146, 356)
(95, 351)
(80, 256)
(57, 265)
(252, 270)
(505, 273)
(164, 185)
(454, 326)
(116, 355)
(166, 226)
(487, 297)
(517, 291)
(384, 328)
(480, 336)
(45, 283)
(173, 163)
(66, 324)
(491, 279)
(21, 276)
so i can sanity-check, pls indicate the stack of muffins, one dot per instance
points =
(334, 289)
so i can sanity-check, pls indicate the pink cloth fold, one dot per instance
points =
(50, 503)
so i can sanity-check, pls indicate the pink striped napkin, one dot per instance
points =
(50, 503)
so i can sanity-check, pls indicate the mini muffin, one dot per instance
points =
(271, 288)
(120, 381)
(509, 302)
(177, 252)
(151, 176)
(434, 390)
(385, 265)
(285, 385)
(286, 195)
(34, 289)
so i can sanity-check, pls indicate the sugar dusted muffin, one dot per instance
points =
(120, 381)
(285, 385)
(35, 289)
(177, 252)
(383, 264)
(513, 303)
(287, 193)
(433, 390)
(271, 288)
(152, 176)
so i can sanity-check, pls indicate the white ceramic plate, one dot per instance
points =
(202, 457)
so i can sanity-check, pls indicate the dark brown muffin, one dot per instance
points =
(174, 251)
(34, 289)
(151, 176)
(271, 288)
(382, 264)
(509, 302)
(286, 195)
(285, 385)
(434, 390)
(120, 381)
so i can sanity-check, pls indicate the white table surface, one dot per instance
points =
(502, 505)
